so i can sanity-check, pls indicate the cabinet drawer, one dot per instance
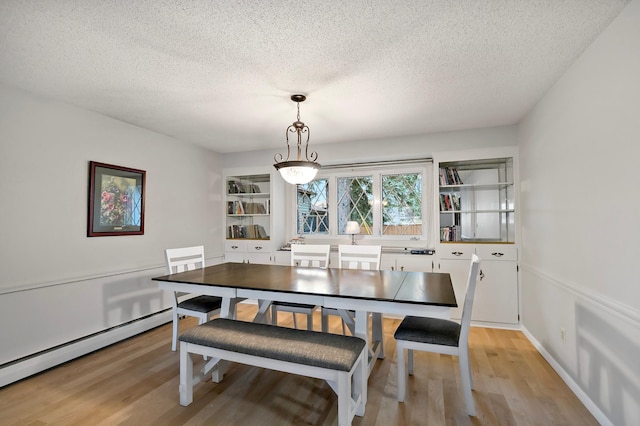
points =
(258, 246)
(235, 245)
(497, 252)
(456, 251)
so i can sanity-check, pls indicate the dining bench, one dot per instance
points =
(338, 359)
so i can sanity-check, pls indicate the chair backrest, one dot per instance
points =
(310, 255)
(184, 259)
(472, 279)
(359, 257)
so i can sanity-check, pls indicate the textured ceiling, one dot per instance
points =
(220, 73)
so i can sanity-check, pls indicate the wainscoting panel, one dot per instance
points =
(593, 342)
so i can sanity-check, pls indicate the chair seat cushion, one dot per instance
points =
(332, 351)
(201, 303)
(295, 305)
(428, 330)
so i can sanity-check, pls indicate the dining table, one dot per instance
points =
(356, 294)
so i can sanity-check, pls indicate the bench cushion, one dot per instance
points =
(331, 351)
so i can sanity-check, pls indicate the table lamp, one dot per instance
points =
(352, 228)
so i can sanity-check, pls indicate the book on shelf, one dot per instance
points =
(449, 176)
(455, 201)
(235, 207)
(449, 202)
(246, 231)
(235, 187)
(254, 208)
(235, 231)
(450, 233)
(254, 189)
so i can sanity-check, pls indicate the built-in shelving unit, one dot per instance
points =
(476, 200)
(248, 207)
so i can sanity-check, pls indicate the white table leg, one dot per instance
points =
(264, 312)
(376, 333)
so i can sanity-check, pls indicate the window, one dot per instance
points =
(313, 216)
(386, 203)
(402, 204)
(355, 202)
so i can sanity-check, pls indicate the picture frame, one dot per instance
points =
(116, 200)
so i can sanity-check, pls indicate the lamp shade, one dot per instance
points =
(353, 227)
(297, 172)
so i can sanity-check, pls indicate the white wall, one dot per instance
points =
(422, 146)
(580, 212)
(56, 284)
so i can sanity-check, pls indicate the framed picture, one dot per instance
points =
(116, 200)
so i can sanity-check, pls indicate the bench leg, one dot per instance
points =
(186, 375)
(344, 399)
(360, 381)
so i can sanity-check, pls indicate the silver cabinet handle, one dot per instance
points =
(393, 268)
(481, 275)
(457, 253)
(234, 247)
(402, 268)
(497, 254)
(258, 248)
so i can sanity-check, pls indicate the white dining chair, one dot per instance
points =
(309, 256)
(353, 257)
(440, 336)
(202, 307)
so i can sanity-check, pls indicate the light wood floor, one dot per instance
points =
(136, 382)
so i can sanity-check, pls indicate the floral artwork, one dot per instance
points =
(115, 209)
(116, 200)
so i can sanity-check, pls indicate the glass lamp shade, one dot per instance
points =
(353, 227)
(297, 172)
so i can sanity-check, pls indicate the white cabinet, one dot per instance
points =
(455, 259)
(250, 251)
(496, 298)
(281, 257)
(406, 262)
(253, 232)
(476, 205)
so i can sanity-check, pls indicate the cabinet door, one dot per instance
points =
(234, 256)
(415, 263)
(281, 258)
(255, 257)
(496, 297)
(388, 262)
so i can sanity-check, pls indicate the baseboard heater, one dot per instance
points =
(45, 359)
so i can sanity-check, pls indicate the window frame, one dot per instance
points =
(425, 168)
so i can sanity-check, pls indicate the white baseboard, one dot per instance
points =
(30, 366)
(575, 388)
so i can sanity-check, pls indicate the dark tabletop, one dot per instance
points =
(424, 288)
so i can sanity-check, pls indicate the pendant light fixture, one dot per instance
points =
(301, 170)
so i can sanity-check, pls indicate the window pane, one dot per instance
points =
(313, 217)
(355, 202)
(402, 204)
